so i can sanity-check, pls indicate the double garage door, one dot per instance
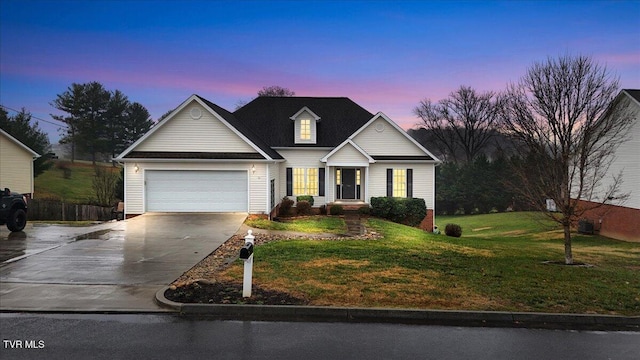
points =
(196, 191)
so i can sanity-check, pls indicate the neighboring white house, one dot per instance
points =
(623, 221)
(203, 158)
(16, 165)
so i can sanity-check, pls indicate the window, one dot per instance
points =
(273, 193)
(399, 182)
(298, 181)
(305, 129)
(338, 177)
(305, 181)
(357, 176)
(312, 181)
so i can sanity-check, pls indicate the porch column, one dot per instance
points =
(329, 191)
(366, 184)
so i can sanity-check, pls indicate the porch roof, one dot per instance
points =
(348, 154)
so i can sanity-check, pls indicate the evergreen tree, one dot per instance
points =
(19, 126)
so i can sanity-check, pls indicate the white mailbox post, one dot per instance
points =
(246, 253)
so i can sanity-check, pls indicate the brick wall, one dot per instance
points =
(617, 222)
(427, 222)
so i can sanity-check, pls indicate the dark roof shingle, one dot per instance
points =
(635, 93)
(270, 118)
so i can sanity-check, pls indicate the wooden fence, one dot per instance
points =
(59, 211)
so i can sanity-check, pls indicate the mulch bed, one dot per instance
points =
(229, 293)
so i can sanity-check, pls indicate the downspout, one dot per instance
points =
(433, 196)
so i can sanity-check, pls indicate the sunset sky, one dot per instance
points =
(386, 56)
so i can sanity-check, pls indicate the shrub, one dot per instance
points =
(336, 210)
(104, 185)
(453, 230)
(364, 210)
(285, 206)
(408, 211)
(307, 198)
(416, 211)
(323, 210)
(381, 207)
(66, 169)
(303, 207)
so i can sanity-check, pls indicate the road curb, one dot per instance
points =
(402, 316)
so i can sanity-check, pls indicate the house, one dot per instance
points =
(623, 221)
(16, 165)
(203, 158)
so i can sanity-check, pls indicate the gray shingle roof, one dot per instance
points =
(269, 117)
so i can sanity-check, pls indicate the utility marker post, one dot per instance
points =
(246, 254)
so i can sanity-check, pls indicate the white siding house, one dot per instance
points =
(204, 158)
(16, 165)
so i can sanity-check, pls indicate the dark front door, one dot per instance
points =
(348, 183)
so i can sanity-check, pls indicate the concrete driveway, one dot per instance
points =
(116, 266)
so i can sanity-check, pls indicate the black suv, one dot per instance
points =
(13, 210)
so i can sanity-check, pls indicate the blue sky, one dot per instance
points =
(386, 56)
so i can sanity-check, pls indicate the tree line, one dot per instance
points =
(550, 135)
(99, 121)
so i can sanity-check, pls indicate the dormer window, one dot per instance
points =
(305, 128)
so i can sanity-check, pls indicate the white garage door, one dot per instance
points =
(196, 191)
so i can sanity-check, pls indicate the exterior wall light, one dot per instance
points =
(253, 169)
(136, 168)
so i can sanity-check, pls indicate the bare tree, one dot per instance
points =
(275, 91)
(463, 123)
(563, 117)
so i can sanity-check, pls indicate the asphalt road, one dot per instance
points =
(167, 336)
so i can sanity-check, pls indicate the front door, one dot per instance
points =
(348, 183)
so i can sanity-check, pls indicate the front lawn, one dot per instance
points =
(497, 264)
(313, 224)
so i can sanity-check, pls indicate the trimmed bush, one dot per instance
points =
(381, 207)
(307, 198)
(336, 210)
(453, 230)
(303, 207)
(407, 211)
(285, 206)
(364, 210)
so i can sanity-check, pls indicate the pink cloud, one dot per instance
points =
(632, 58)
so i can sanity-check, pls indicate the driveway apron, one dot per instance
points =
(111, 267)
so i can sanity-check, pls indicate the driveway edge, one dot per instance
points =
(403, 316)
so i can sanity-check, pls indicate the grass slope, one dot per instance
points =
(77, 188)
(497, 264)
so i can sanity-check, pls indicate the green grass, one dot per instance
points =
(77, 188)
(500, 268)
(315, 224)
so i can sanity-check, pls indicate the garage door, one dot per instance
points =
(196, 191)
